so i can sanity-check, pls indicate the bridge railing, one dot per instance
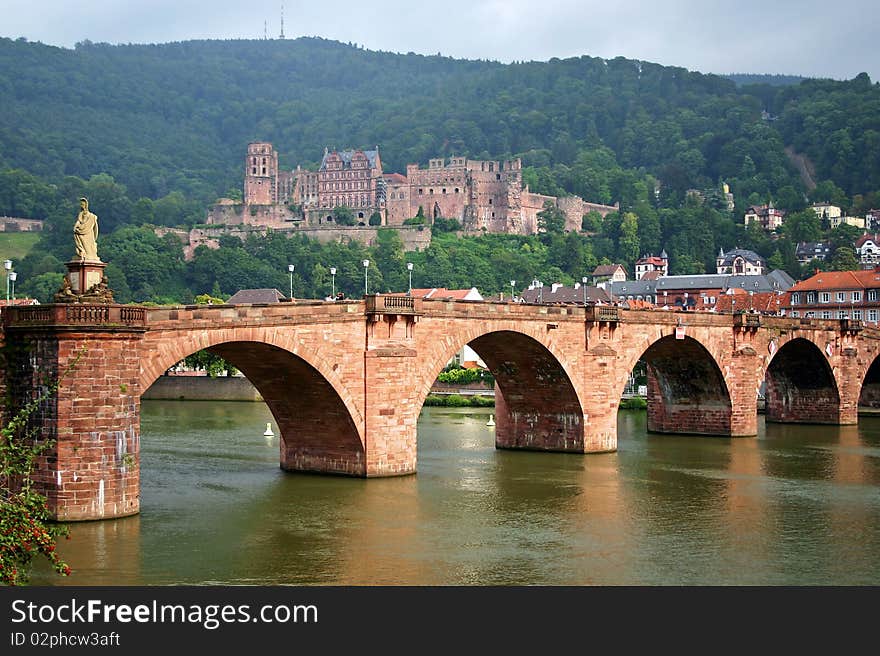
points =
(602, 313)
(747, 320)
(74, 315)
(392, 304)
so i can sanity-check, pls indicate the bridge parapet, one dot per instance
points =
(393, 304)
(74, 316)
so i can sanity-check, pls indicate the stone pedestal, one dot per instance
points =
(84, 274)
(85, 283)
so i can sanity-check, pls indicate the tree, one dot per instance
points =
(629, 238)
(26, 527)
(551, 219)
(591, 221)
(844, 260)
(803, 226)
(343, 216)
(375, 219)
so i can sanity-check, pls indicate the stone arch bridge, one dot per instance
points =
(346, 381)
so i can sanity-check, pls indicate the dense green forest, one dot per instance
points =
(152, 134)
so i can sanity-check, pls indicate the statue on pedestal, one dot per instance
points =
(85, 281)
(85, 233)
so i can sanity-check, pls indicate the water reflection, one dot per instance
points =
(796, 505)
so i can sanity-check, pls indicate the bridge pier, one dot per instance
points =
(392, 410)
(93, 469)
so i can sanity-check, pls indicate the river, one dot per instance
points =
(796, 505)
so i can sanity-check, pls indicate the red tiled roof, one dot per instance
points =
(761, 301)
(652, 275)
(395, 177)
(830, 280)
(441, 292)
(651, 260)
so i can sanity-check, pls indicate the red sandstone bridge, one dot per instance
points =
(346, 381)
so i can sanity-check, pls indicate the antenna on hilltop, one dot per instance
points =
(265, 30)
(282, 21)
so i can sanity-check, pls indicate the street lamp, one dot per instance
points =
(12, 276)
(333, 282)
(366, 264)
(409, 267)
(8, 265)
(512, 293)
(584, 285)
(290, 268)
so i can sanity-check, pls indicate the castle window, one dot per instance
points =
(264, 170)
(493, 215)
(490, 201)
(254, 171)
(264, 161)
(444, 190)
(430, 191)
(421, 191)
(497, 176)
(456, 190)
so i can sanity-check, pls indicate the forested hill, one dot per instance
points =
(178, 116)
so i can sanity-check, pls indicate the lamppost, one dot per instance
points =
(512, 293)
(290, 268)
(584, 285)
(409, 267)
(366, 264)
(12, 276)
(333, 282)
(8, 265)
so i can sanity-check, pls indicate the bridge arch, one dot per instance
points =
(687, 390)
(800, 385)
(537, 403)
(319, 422)
(869, 395)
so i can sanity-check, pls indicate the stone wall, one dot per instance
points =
(13, 224)
(202, 388)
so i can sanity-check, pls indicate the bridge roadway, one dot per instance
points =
(345, 381)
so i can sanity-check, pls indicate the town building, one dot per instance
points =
(872, 220)
(807, 251)
(868, 250)
(837, 295)
(855, 221)
(559, 294)
(767, 216)
(827, 211)
(441, 293)
(606, 272)
(650, 263)
(740, 261)
(698, 292)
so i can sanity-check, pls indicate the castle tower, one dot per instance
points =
(261, 174)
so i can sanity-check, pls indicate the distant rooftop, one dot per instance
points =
(256, 296)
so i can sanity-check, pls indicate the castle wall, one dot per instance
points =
(414, 238)
(14, 224)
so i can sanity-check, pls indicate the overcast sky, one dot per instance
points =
(818, 38)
